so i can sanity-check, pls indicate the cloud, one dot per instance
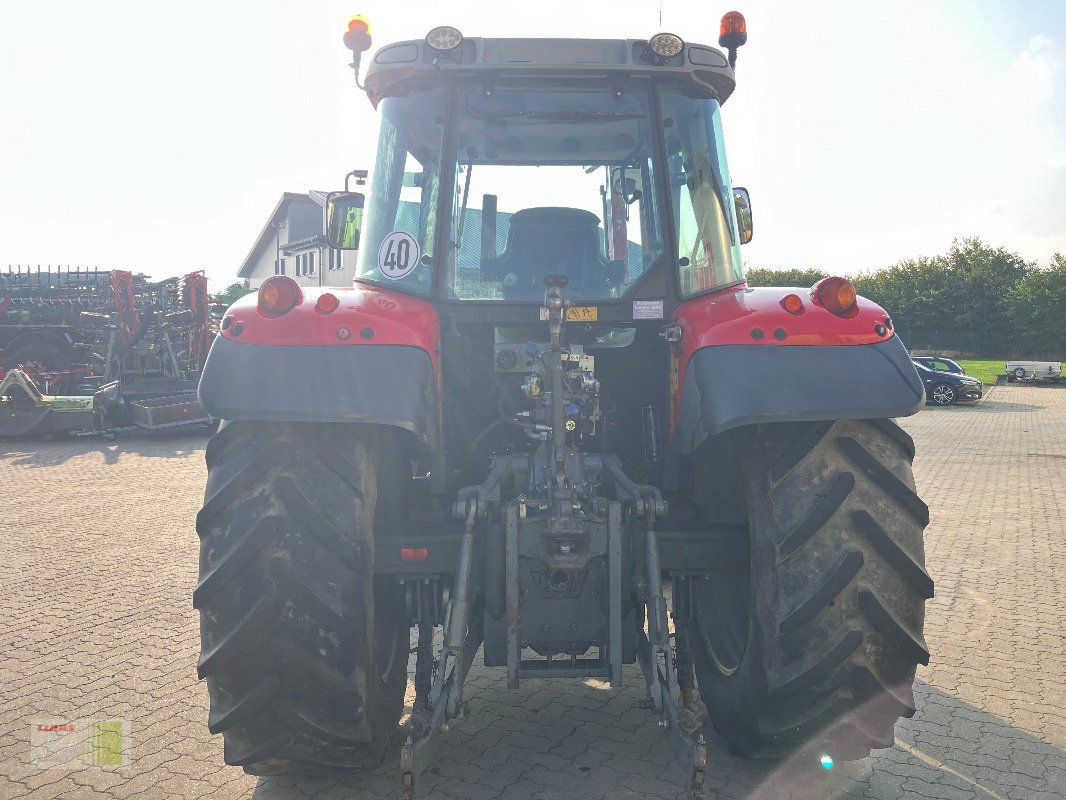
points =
(1030, 150)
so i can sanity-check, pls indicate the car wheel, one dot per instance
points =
(1019, 373)
(944, 394)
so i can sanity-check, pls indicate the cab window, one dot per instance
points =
(705, 216)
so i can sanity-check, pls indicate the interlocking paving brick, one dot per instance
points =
(100, 559)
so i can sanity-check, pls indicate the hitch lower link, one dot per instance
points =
(670, 684)
(463, 633)
(442, 700)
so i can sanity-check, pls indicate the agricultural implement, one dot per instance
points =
(73, 333)
(550, 402)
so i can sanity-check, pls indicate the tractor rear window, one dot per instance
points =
(558, 181)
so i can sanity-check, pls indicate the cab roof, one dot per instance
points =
(402, 66)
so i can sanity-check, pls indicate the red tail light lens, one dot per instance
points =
(792, 304)
(414, 554)
(279, 295)
(327, 303)
(836, 295)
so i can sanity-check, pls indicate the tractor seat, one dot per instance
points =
(543, 241)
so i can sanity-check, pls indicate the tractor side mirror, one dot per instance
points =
(742, 201)
(344, 219)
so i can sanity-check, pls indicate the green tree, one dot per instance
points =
(785, 277)
(233, 292)
(959, 299)
(914, 292)
(984, 277)
(1036, 312)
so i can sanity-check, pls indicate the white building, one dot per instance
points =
(293, 243)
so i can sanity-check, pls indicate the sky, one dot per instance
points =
(157, 137)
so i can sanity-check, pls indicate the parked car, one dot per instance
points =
(945, 388)
(939, 364)
(1033, 371)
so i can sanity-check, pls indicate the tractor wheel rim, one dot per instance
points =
(725, 638)
(385, 632)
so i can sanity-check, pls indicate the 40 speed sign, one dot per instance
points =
(398, 255)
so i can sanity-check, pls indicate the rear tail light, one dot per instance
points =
(836, 295)
(792, 304)
(327, 303)
(414, 554)
(279, 295)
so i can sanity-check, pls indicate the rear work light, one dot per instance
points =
(666, 45)
(279, 295)
(836, 295)
(444, 38)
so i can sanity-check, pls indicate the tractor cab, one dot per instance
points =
(503, 161)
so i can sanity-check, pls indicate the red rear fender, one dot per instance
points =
(744, 359)
(757, 317)
(365, 316)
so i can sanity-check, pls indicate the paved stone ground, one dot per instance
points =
(99, 562)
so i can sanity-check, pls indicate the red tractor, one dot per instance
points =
(549, 403)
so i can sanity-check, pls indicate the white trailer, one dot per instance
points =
(1033, 371)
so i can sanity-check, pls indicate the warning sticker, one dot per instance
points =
(398, 255)
(576, 313)
(647, 309)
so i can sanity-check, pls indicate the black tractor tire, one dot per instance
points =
(814, 650)
(305, 655)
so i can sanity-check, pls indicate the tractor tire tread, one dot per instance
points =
(838, 593)
(828, 587)
(286, 599)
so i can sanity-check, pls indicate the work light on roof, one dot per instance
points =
(666, 45)
(444, 38)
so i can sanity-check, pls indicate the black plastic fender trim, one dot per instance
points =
(367, 383)
(729, 386)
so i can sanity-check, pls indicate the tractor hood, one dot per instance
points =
(397, 68)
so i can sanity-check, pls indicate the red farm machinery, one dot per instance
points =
(550, 403)
(138, 345)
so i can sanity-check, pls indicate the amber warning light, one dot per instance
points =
(732, 33)
(357, 39)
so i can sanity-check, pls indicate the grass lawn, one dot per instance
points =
(984, 371)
